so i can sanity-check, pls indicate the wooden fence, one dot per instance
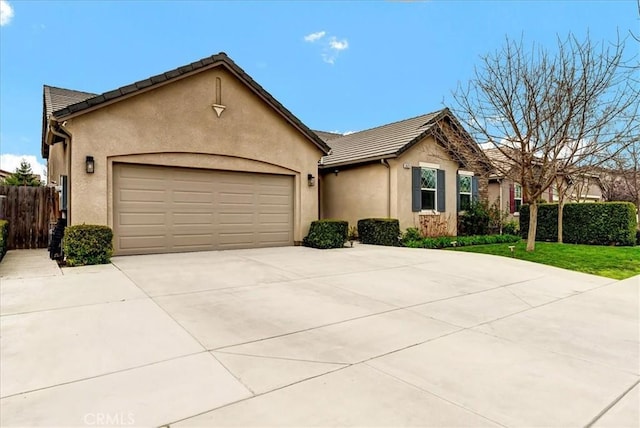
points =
(30, 212)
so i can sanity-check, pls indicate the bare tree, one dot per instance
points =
(551, 113)
(621, 178)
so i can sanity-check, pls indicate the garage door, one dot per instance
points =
(165, 209)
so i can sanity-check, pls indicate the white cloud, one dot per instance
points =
(314, 36)
(338, 45)
(10, 162)
(331, 46)
(6, 13)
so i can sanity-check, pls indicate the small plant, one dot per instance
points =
(326, 234)
(87, 244)
(410, 235)
(497, 219)
(352, 235)
(511, 228)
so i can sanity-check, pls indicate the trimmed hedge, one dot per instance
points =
(87, 244)
(601, 223)
(325, 234)
(461, 241)
(4, 235)
(379, 231)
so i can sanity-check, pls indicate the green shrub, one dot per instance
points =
(4, 235)
(327, 234)
(475, 220)
(412, 234)
(602, 223)
(379, 231)
(461, 241)
(87, 244)
(511, 228)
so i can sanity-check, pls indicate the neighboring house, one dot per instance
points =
(197, 158)
(507, 193)
(422, 171)
(4, 174)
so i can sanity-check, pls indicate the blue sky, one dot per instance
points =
(338, 66)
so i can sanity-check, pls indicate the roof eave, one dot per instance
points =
(356, 162)
(171, 76)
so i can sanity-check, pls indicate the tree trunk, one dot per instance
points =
(560, 213)
(533, 225)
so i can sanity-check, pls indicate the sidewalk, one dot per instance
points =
(28, 264)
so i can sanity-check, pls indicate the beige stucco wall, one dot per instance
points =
(57, 163)
(175, 125)
(496, 197)
(355, 193)
(362, 192)
(427, 151)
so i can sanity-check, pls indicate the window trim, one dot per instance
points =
(516, 212)
(424, 165)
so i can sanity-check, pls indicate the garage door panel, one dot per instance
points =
(193, 219)
(234, 218)
(147, 195)
(192, 196)
(192, 240)
(143, 243)
(273, 238)
(168, 209)
(274, 219)
(142, 218)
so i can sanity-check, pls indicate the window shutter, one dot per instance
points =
(416, 190)
(512, 199)
(475, 192)
(440, 205)
(458, 193)
(550, 194)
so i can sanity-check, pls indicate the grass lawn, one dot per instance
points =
(612, 262)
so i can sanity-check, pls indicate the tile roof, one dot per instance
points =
(380, 142)
(326, 136)
(59, 98)
(81, 101)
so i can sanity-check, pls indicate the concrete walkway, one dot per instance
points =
(368, 336)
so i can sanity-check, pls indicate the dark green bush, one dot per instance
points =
(602, 223)
(379, 231)
(87, 244)
(4, 235)
(327, 234)
(475, 220)
(461, 241)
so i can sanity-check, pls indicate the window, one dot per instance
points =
(465, 191)
(428, 186)
(427, 189)
(517, 197)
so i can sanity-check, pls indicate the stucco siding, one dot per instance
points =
(500, 197)
(427, 151)
(175, 125)
(355, 193)
(57, 163)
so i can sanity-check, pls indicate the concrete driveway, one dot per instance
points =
(365, 336)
